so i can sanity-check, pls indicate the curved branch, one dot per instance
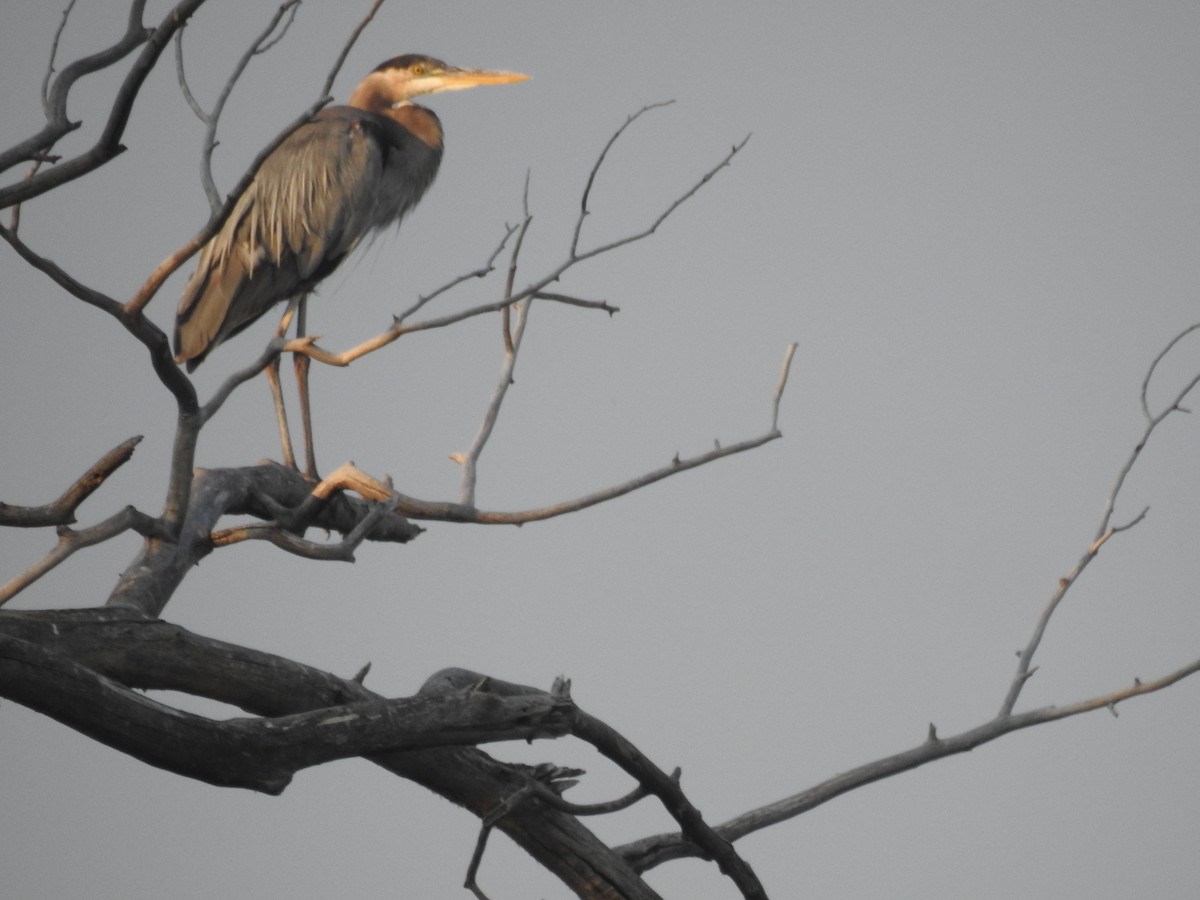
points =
(152, 654)
(108, 145)
(712, 845)
(150, 335)
(212, 119)
(591, 180)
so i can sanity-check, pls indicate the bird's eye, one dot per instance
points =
(418, 69)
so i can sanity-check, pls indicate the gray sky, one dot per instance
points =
(979, 221)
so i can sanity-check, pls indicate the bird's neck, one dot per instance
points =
(376, 94)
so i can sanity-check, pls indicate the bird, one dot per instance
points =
(345, 173)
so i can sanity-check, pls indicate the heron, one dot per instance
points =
(343, 174)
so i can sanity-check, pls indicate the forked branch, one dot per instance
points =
(652, 851)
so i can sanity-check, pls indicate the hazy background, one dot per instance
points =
(980, 222)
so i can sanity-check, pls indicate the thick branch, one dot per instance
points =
(162, 565)
(262, 753)
(148, 653)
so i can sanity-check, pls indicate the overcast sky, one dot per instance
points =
(980, 222)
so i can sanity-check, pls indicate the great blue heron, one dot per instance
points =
(344, 173)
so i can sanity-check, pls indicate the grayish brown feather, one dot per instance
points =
(331, 182)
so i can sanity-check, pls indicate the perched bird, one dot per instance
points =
(346, 172)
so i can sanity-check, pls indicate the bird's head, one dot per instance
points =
(395, 82)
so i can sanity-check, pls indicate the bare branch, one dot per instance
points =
(58, 33)
(263, 753)
(181, 78)
(512, 345)
(482, 272)
(307, 345)
(150, 580)
(291, 6)
(652, 851)
(783, 377)
(457, 512)
(135, 323)
(460, 512)
(70, 540)
(621, 751)
(1162, 354)
(1106, 529)
(568, 300)
(587, 188)
(259, 45)
(346, 477)
(346, 48)
(62, 510)
(108, 145)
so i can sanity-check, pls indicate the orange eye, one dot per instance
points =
(418, 69)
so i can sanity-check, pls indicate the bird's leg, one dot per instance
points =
(285, 434)
(302, 364)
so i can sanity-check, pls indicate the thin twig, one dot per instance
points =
(783, 378)
(482, 272)
(308, 347)
(640, 792)
(58, 33)
(587, 188)
(273, 349)
(346, 48)
(260, 43)
(1106, 529)
(181, 78)
(108, 145)
(1154, 365)
(342, 551)
(687, 195)
(512, 344)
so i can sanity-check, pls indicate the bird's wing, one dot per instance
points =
(310, 202)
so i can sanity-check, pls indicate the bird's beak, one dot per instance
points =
(461, 79)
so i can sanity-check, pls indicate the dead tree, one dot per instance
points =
(87, 668)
